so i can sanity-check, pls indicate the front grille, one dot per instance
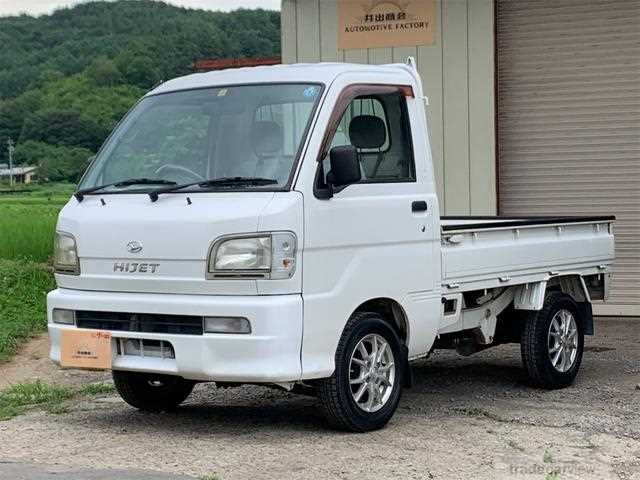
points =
(140, 322)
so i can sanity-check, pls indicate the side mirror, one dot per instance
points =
(345, 167)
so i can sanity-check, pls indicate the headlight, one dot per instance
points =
(270, 255)
(244, 254)
(65, 254)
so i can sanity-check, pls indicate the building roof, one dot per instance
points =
(300, 72)
(5, 172)
(208, 64)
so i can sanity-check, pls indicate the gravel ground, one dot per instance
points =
(468, 417)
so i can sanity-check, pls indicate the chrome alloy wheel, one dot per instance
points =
(372, 373)
(563, 340)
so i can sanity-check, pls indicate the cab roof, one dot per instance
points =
(297, 73)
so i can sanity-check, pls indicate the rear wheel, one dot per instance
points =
(152, 392)
(364, 391)
(553, 342)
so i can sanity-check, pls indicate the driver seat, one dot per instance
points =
(368, 132)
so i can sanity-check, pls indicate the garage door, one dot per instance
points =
(569, 120)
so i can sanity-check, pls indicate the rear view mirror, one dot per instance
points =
(345, 167)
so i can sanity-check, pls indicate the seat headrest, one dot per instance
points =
(266, 138)
(367, 131)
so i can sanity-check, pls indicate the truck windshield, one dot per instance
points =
(252, 131)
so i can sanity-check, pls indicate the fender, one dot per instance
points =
(530, 296)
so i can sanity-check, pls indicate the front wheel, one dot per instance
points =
(152, 392)
(553, 341)
(364, 391)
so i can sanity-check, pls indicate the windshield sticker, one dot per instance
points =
(310, 92)
(222, 92)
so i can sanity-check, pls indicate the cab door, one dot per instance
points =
(378, 238)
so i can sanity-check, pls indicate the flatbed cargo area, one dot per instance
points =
(464, 222)
(489, 252)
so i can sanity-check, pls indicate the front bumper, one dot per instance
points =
(271, 353)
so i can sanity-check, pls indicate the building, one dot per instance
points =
(534, 105)
(20, 174)
(209, 64)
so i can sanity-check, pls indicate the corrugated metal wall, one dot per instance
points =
(458, 75)
(569, 119)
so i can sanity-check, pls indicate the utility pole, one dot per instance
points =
(11, 149)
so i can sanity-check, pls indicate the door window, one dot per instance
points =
(378, 127)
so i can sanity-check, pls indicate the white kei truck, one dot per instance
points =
(280, 226)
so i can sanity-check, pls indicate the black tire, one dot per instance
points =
(535, 343)
(152, 392)
(338, 404)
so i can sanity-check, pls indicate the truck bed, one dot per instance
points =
(488, 252)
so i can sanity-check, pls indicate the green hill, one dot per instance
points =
(67, 78)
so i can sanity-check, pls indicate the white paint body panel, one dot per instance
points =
(364, 243)
(368, 244)
(174, 235)
(480, 257)
(270, 354)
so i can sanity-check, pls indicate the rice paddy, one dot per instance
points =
(27, 222)
(27, 225)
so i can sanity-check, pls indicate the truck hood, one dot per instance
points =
(175, 234)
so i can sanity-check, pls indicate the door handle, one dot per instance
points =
(419, 206)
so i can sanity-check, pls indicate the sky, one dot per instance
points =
(39, 7)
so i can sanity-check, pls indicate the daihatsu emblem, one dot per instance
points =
(134, 247)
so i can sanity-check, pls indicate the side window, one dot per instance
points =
(378, 126)
(361, 107)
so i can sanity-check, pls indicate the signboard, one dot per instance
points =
(385, 23)
(85, 349)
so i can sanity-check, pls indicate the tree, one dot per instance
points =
(56, 163)
(63, 127)
(16, 80)
(163, 41)
(12, 115)
(139, 70)
(48, 75)
(67, 78)
(103, 72)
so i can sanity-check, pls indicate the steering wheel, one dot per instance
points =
(169, 167)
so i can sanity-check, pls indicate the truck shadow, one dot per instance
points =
(489, 385)
(247, 411)
(446, 370)
(440, 386)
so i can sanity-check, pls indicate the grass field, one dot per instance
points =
(23, 289)
(27, 224)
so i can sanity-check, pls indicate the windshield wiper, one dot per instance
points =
(123, 183)
(215, 182)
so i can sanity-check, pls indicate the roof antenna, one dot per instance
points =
(411, 61)
(103, 202)
(188, 201)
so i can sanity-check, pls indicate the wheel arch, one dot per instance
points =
(532, 296)
(572, 285)
(391, 311)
